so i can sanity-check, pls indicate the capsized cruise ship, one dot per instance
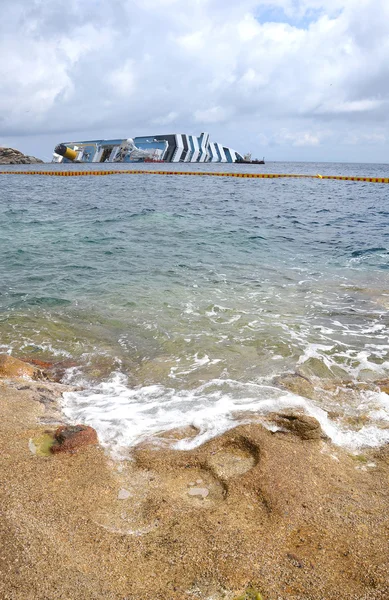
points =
(171, 148)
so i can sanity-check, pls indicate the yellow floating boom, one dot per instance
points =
(197, 173)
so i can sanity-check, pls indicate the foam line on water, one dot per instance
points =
(124, 416)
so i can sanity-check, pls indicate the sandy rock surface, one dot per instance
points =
(288, 517)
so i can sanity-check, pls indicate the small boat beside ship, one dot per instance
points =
(247, 160)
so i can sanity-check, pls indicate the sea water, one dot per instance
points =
(179, 300)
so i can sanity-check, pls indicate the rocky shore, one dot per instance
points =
(250, 515)
(10, 156)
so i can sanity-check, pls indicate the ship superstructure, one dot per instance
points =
(175, 147)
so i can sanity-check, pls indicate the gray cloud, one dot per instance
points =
(315, 83)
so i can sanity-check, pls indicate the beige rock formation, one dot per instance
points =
(11, 367)
(10, 156)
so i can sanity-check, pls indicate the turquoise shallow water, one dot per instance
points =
(180, 299)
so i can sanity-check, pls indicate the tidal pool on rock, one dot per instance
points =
(180, 301)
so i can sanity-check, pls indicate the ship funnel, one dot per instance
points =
(66, 152)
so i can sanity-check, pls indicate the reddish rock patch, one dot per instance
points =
(54, 371)
(11, 367)
(70, 438)
(42, 364)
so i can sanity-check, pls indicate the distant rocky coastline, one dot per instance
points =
(10, 156)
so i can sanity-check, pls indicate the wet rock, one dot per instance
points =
(54, 371)
(296, 383)
(11, 367)
(356, 421)
(305, 427)
(10, 156)
(180, 433)
(70, 438)
(367, 376)
(197, 491)
(383, 385)
(57, 371)
(41, 445)
(42, 364)
(314, 367)
(180, 485)
(341, 374)
(231, 461)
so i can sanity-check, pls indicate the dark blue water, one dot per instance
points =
(187, 295)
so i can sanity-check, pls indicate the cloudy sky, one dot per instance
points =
(287, 79)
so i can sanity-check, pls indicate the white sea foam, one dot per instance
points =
(195, 363)
(46, 347)
(123, 416)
